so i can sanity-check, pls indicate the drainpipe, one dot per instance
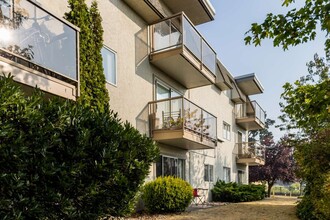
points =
(190, 157)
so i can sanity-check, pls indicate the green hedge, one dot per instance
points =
(60, 160)
(233, 192)
(167, 194)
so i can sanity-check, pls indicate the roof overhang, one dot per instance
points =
(249, 84)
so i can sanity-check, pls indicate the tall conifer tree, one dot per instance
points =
(93, 92)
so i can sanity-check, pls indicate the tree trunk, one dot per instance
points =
(270, 185)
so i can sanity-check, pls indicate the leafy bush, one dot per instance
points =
(233, 192)
(313, 159)
(59, 160)
(167, 194)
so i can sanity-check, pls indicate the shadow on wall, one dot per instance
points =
(142, 64)
(196, 165)
(141, 40)
(142, 121)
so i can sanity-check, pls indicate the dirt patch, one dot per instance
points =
(271, 208)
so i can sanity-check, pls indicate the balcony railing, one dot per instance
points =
(32, 37)
(180, 51)
(178, 31)
(250, 112)
(180, 114)
(252, 153)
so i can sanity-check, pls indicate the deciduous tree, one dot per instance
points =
(307, 100)
(297, 26)
(279, 165)
(307, 107)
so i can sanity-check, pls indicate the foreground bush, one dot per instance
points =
(59, 160)
(167, 194)
(313, 160)
(233, 192)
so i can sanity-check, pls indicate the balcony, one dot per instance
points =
(250, 116)
(250, 153)
(199, 11)
(39, 49)
(179, 50)
(180, 123)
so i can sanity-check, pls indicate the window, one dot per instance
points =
(226, 174)
(226, 131)
(240, 176)
(170, 166)
(208, 173)
(165, 92)
(109, 65)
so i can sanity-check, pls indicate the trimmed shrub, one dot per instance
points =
(233, 192)
(60, 160)
(167, 194)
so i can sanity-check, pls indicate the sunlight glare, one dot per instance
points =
(4, 34)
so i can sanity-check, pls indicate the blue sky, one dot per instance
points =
(273, 66)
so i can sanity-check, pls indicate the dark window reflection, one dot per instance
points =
(168, 166)
(37, 36)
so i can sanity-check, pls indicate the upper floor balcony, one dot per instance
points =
(39, 49)
(199, 11)
(180, 51)
(250, 116)
(179, 122)
(250, 153)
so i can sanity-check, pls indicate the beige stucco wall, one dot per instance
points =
(217, 103)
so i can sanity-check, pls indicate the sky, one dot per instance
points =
(273, 66)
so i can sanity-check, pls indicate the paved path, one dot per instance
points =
(279, 208)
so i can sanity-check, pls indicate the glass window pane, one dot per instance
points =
(174, 167)
(167, 166)
(226, 173)
(206, 173)
(174, 94)
(162, 92)
(211, 173)
(109, 65)
(181, 168)
(159, 166)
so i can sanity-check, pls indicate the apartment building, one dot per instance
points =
(162, 76)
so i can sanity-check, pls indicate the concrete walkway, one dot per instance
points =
(271, 208)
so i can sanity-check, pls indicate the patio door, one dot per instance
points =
(169, 109)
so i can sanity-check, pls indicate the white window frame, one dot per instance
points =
(209, 173)
(104, 69)
(226, 173)
(226, 131)
(165, 85)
